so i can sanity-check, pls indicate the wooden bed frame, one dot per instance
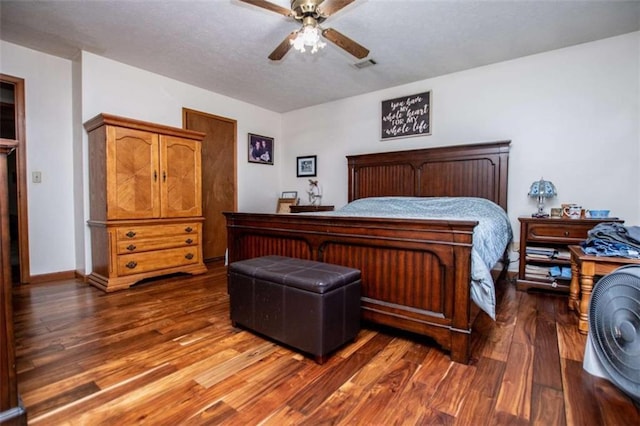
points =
(415, 273)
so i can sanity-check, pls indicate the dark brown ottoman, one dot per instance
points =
(311, 306)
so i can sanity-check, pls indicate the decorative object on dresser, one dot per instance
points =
(597, 214)
(285, 203)
(572, 211)
(427, 289)
(145, 201)
(544, 253)
(542, 189)
(314, 192)
(287, 200)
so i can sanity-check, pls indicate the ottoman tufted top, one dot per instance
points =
(309, 275)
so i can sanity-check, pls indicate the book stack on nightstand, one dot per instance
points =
(545, 262)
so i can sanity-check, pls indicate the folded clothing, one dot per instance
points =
(613, 239)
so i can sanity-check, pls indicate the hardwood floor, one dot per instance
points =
(165, 352)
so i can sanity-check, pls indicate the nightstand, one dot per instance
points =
(548, 240)
(310, 209)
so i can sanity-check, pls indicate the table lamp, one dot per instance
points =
(542, 189)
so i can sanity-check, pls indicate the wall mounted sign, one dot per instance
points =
(406, 116)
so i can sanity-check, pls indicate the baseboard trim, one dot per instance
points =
(81, 276)
(54, 276)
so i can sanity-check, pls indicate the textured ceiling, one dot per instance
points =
(222, 45)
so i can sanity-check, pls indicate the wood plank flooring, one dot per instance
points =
(165, 353)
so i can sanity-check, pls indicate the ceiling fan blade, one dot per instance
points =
(282, 49)
(329, 7)
(345, 43)
(269, 6)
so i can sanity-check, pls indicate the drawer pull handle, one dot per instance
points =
(131, 247)
(189, 256)
(188, 229)
(189, 241)
(131, 234)
(131, 264)
(155, 175)
(566, 233)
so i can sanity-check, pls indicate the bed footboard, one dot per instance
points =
(415, 273)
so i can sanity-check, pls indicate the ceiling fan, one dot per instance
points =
(311, 13)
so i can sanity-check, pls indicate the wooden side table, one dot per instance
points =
(310, 209)
(584, 268)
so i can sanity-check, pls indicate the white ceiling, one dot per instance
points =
(222, 45)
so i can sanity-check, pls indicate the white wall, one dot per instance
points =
(571, 114)
(49, 138)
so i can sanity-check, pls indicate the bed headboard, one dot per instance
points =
(477, 170)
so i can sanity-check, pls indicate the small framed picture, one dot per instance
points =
(284, 204)
(306, 166)
(290, 194)
(260, 149)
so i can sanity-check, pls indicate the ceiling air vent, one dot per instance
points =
(365, 64)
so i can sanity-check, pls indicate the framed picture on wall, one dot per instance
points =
(306, 166)
(260, 149)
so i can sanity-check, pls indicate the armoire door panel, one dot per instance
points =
(180, 177)
(133, 160)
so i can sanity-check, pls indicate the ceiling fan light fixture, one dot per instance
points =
(308, 36)
(311, 13)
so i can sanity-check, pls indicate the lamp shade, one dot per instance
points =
(542, 188)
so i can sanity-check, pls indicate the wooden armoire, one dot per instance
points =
(145, 201)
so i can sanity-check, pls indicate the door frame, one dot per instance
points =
(21, 175)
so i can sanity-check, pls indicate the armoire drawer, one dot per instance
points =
(156, 260)
(159, 243)
(128, 233)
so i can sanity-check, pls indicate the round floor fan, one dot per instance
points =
(613, 346)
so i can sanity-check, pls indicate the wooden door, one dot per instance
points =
(219, 181)
(133, 174)
(180, 177)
